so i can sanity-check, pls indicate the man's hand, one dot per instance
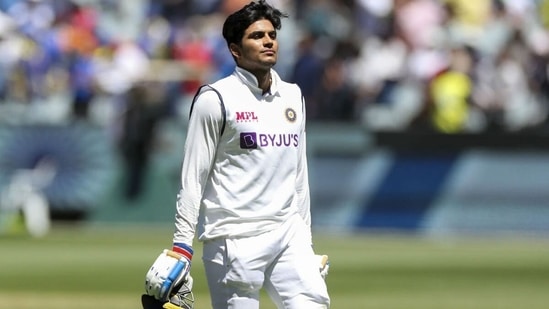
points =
(323, 265)
(182, 297)
(169, 270)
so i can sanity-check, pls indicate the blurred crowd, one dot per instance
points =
(448, 66)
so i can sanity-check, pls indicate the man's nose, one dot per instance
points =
(268, 41)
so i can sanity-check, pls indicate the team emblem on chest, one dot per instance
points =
(290, 114)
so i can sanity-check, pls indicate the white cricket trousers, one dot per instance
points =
(282, 261)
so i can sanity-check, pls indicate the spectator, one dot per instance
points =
(403, 47)
(144, 110)
(307, 71)
(334, 97)
(450, 93)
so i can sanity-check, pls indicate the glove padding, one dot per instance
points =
(323, 265)
(183, 298)
(169, 270)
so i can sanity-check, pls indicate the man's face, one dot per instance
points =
(259, 47)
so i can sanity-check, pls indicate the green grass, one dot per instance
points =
(104, 266)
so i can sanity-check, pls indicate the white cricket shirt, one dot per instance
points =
(253, 176)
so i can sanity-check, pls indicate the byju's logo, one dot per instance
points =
(248, 140)
(252, 140)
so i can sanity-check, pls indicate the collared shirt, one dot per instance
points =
(251, 177)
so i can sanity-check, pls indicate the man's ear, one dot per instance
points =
(235, 50)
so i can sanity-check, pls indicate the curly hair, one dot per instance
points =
(236, 24)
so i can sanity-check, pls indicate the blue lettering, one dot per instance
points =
(278, 140)
(263, 142)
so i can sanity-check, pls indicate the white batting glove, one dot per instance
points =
(183, 298)
(168, 271)
(323, 265)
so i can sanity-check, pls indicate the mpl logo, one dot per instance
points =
(246, 117)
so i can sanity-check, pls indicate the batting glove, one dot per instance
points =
(169, 271)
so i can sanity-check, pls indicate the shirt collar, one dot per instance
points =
(251, 81)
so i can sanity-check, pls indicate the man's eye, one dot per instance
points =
(272, 35)
(257, 35)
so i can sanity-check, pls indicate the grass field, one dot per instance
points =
(103, 267)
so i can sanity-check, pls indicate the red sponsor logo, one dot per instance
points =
(246, 117)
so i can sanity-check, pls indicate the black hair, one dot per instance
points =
(236, 24)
